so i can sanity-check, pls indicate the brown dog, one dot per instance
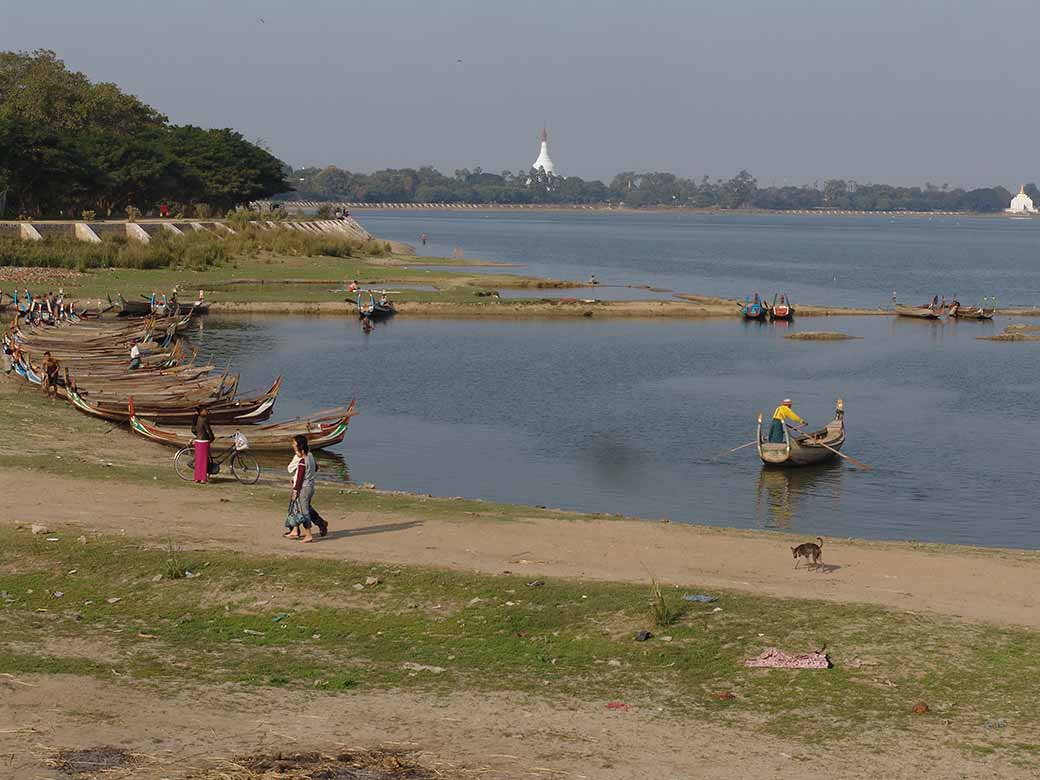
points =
(808, 550)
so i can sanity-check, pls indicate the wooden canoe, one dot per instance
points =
(919, 312)
(248, 410)
(321, 430)
(971, 312)
(803, 449)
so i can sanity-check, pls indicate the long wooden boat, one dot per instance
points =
(918, 312)
(971, 312)
(803, 449)
(239, 411)
(322, 430)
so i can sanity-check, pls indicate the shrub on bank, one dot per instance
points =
(197, 250)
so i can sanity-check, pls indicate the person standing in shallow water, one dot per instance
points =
(203, 433)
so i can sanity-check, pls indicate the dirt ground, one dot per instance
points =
(179, 733)
(459, 735)
(993, 586)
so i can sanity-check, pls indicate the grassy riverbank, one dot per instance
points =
(143, 583)
(109, 604)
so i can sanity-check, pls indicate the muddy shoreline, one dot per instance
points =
(691, 307)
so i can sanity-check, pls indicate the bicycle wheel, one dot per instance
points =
(184, 463)
(245, 468)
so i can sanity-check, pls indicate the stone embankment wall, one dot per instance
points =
(144, 230)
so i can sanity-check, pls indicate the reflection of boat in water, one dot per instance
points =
(798, 449)
(332, 467)
(781, 491)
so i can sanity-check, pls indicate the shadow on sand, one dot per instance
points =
(382, 528)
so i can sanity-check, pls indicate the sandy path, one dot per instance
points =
(991, 586)
(495, 737)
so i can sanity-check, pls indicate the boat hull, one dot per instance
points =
(971, 313)
(753, 311)
(918, 312)
(804, 450)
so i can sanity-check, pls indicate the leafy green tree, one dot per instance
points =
(37, 87)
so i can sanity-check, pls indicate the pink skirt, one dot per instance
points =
(201, 461)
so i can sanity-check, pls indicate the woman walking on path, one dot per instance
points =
(302, 468)
(203, 433)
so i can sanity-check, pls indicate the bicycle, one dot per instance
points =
(244, 467)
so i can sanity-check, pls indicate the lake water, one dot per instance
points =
(852, 261)
(627, 416)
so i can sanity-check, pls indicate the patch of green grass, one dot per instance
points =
(274, 621)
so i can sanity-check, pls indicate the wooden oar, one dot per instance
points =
(727, 452)
(849, 458)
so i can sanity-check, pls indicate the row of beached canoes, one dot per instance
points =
(161, 397)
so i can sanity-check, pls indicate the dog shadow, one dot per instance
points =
(382, 528)
(826, 568)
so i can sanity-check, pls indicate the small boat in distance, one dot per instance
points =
(920, 312)
(781, 309)
(753, 308)
(984, 311)
(929, 311)
(374, 308)
(804, 449)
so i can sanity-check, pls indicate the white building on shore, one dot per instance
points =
(1022, 203)
(544, 161)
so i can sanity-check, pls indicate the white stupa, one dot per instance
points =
(1022, 203)
(544, 161)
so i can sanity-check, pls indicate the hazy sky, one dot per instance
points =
(899, 92)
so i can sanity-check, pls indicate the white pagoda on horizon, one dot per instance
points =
(1021, 203)
(544, 161)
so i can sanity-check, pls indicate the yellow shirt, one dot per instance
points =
(786, 413)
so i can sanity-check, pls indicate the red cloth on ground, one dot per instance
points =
(202, 461)
(772, 658)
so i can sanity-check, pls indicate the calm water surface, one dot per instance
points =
(854, 261)
(628, 416)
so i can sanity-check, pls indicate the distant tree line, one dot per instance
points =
(634, 190)
(69, 146)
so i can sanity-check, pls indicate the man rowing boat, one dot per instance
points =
(783, 412)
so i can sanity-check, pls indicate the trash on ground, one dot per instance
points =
(642, 636)
(422, 667)
(700, 597)
(618, 705)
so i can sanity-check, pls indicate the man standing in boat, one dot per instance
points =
(783, 413)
